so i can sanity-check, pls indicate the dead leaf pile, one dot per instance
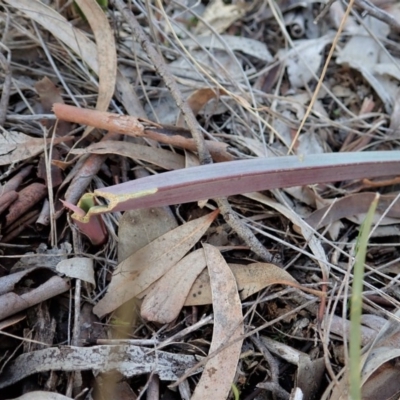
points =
(140, 120)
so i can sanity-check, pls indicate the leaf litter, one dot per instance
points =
(249, 74)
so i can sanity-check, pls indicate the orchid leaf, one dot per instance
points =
(239, 177)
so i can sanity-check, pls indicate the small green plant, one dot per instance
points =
(235, 392)
(356, 303)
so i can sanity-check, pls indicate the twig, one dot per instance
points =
(242, 230)
(273, 385)
(324, 11)
(5, 95)
(376, 12)
(76, 330)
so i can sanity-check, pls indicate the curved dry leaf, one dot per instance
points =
(377, 369)
(376, 359)
(49, 94)
(388, 336)
(342, 327)
(78, 267)
(351, 205)
(249, 46)
(16, 146)
(383, 385)
(250, 279)
(379, 377)
(221, 16)
(163, 158)
(106, 54)
(135, 274)
(41, 395)
(197, 100)
(138, 228)
(219, 371)
(166, 297)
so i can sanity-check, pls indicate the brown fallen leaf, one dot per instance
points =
(219, 371)
(165, 299)
(16, 146)
(378, 369)
(220, 16)
(198, 99)
(106, 53)
(351, 205)
(138, 228)
(49, 94)
(135, 274)
(250, 279)
(162, 158)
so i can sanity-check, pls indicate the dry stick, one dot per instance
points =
(242, 230)
(76, 330)
(273, 385)
(376, 12)
(324, 11)
(5, 95)
(204, 155)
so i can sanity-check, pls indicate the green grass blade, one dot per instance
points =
(356, 303)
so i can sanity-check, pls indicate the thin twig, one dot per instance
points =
(5, 95)
(273, 385)
(376, 12)
(324, 11)
(242, 230)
